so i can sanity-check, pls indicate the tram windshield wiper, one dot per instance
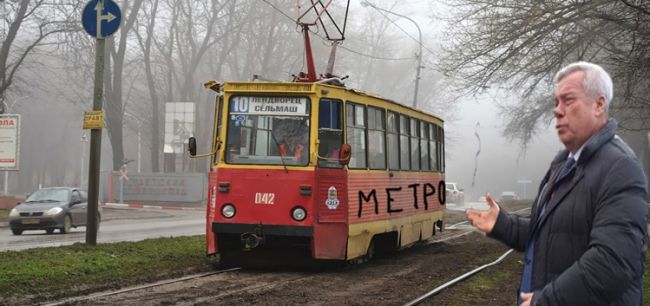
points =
(277, 145)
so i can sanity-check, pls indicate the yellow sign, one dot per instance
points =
(93, 120)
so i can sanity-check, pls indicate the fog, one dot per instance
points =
(500, 163)
(54, 87)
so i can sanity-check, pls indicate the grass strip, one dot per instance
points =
(476, 290)
(4, 213)
(79, 268)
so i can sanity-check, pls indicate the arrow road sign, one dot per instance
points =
(101, 18)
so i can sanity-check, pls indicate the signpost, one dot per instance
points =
(100, 18)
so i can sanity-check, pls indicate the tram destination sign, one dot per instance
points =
(270, 106)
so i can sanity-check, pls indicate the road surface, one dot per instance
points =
(117, 225)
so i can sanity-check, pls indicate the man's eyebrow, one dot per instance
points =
(566, 94)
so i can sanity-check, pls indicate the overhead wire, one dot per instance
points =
(340, 46)
(401, 29)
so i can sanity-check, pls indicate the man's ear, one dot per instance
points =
(601, 106)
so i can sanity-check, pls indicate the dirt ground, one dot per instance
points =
(392, 279)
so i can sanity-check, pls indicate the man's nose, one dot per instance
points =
(558, 110)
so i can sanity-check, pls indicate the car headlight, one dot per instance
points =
(14, 213)
(228, 211)
(298, 213)
(53, 211)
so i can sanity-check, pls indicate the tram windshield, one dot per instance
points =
(268, 130)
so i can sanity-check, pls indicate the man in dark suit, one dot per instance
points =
(586, 238)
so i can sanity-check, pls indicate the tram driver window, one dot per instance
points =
(330, 133)
(268, 130)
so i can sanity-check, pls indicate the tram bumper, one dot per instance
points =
(254, 235)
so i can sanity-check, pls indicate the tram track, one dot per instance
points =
(242, 286)
(78, 299)
(464, 276)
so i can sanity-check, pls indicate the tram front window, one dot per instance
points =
(268, 131)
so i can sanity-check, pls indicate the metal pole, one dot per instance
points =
(83, 159)
(95, 145)
(417, 73)
(419, 55)
(139, 147)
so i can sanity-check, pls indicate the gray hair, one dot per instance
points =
(597, 81)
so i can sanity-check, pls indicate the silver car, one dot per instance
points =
(48, 209)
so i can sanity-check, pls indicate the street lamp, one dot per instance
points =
(138, 121)
(419, 55)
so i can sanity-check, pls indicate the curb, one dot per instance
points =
(153, 207)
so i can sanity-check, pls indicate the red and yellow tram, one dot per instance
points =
(323, 167)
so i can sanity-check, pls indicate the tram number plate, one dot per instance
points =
(264, 198)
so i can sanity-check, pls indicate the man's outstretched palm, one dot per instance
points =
(484, 220)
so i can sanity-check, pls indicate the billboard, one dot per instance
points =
(9, 141)
(179, 125)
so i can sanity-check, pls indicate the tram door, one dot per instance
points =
(330, 228)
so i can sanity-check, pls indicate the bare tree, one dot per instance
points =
(113, 80)
(145, 43)
(26, 26)
(520, 45)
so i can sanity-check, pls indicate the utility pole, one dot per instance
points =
(418, 56)
(100, 18)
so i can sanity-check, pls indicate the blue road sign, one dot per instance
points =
(104, 15)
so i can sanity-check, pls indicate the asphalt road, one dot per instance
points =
(117, 225)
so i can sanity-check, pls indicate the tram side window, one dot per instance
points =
(415, 144)
(404, 143)
(393, 141)
(424, 146)
(356, 134)
(376, 138)
(433, 157)
(330, 132)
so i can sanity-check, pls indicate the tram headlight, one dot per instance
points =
(298, 213)
(228, 211)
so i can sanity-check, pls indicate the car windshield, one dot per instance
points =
(48, 195)
(268, 131)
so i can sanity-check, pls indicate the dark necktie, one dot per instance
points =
(547, 190)
(568, 165)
